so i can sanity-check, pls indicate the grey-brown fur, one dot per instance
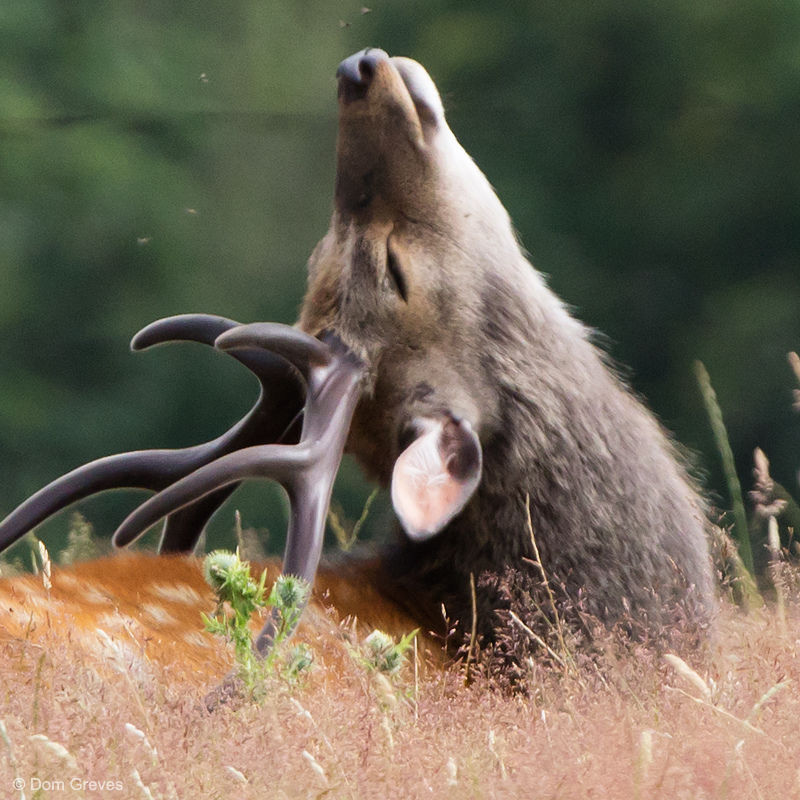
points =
(461, 323)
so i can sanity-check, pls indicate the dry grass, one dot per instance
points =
(636, 726)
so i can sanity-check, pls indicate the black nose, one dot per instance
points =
(360, 67)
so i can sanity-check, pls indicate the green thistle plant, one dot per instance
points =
(239, 596)
(382, 654)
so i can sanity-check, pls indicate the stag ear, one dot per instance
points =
(435, 475)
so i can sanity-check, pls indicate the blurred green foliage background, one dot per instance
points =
(159, 158)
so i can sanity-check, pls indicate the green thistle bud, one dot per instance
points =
(291, 592)
(218, 566)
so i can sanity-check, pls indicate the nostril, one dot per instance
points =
(370, 58)
(366, 68)
(369, 61)
(360, 67)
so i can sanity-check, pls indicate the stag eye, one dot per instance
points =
(395, 273)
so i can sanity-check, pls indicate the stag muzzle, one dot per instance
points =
(389, 112)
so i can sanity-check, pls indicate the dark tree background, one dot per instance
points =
(158, 158)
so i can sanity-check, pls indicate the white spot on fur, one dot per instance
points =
(120, 656)
(176, 593)
(30, 591)
(65, 582)
(196, 639)
(93, 595)
(158, 614)
(112, 621)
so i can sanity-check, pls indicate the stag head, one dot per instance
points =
(401, 277)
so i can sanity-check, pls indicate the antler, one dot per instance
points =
(193, 482)
(273, 418)
(306, 470)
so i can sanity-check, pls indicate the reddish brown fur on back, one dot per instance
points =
(135, 608)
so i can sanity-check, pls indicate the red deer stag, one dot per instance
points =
(429, 347)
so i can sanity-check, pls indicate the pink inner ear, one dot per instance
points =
(425, 495)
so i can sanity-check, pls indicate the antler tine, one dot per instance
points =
(205, 329)
(274, 417)
(306, 470)
(183, 529)
(297, 347)
(147, 469)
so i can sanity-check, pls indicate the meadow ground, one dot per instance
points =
(111, 722)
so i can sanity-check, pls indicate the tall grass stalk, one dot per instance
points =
(776, 573)
(345, 538)
(740, 530)
(12, 760)
(473, 634)
(566, 657)
(644, 760)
